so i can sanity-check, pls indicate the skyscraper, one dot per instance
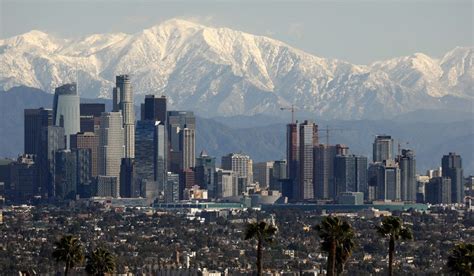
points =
(226, 183)
(111, 145)
(155, 108)
(172, 187)
(187, 144)
(88, 140)
(65, 181)
(350, 173)
(407, 164)
(123, 101)
(35, 120)
(385, 176)
(324, 186)
(292, 157)
(240, 164)
(438, 190)
(107, 186)
(127, 179)
(278, 176)
(205, 169)
(23, 184)
(308, 139)
(262, 173)
(382, 148)
(90, 116)
(151, 156)
(52, 140)
(66, 111)
(181, 136)
(83, 171)
(452, 168)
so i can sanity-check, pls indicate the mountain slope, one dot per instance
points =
(219, 71)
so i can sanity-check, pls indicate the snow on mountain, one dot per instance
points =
(220, 71)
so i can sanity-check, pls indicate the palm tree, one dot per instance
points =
(100, 261)
(461, 259)
(262, 232)
(393, 229)
(69, 251)
(337, 240)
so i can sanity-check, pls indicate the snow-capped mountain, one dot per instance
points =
(219, 71)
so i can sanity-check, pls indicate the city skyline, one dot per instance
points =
(218, 138)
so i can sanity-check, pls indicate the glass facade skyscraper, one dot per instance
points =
(66, 110)
(382, 148)
(452, 168)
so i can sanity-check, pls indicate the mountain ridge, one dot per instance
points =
(224, 72)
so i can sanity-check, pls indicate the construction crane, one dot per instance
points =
(292, 109)
(327, 129)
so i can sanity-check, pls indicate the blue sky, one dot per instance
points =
(356, 31)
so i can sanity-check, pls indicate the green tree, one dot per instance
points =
(68, 251)
(337, 240)
(461, 259)
(393, 229)
(263, 233)
(100, 261)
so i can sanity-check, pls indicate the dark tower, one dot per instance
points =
(452, 168)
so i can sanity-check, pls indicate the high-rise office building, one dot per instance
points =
(205, 169)
(90, 141)
(350, 173)
(279, 176)
(123, 101)
(35, 120)
(324, 186)
(181, 137)
(172, 187)
(452, 168)
(160, 156)
(111, 145)
(385, 176)
(262, 173)
(52, 140)
(187, 148)
(407, 164)
(66, 111)
(226, 183)
(308, 139)
(438, 190)
(292, 157)
(23, 184)
(107, 186)
(155, 109)
(382, 148)
(65, 180)
(151, 156)
(241, 165)
(127, 179)
(90, 116)
(144, 150)
(83, 171)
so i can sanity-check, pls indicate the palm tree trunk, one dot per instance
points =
(259, 258)
(66, 269)
(332, 259)
(391, 250)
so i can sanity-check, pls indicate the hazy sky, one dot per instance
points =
(357, 31)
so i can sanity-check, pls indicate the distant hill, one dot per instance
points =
(263, 137)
